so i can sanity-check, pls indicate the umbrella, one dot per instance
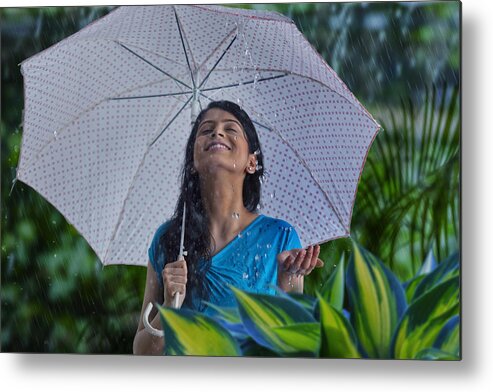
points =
(107, 115)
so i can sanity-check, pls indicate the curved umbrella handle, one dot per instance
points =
(149, 328)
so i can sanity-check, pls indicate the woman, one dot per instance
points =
(226, 240)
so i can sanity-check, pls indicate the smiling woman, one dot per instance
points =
(228, 242)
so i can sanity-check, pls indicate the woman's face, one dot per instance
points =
(221, 143)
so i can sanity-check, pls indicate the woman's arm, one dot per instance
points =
(144, 342)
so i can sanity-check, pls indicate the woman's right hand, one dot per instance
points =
(175, 281)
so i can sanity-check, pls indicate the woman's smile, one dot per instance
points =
(220, 142)
(217, 146)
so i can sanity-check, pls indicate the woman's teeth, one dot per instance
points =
(218, 147)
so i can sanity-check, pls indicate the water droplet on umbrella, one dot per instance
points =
(255, 80)
(55, 134)
(269, 246)
(245, 275)
(275, 115)
(257, 257)
(272, 194)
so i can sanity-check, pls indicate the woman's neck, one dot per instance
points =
(223, 201)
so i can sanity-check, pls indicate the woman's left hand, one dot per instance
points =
(294, 264)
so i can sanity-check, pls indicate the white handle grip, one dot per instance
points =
(176, 300)
(149, 328)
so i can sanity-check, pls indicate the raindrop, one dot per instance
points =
(234, 165)
(257, 257)
(275, 115)
(53, 222)
(257, 151)
(54, 255)
(255, 80)
(55, 134)
(258, 167)
(269, 246)
(248, 233)
(235, 215)
(236, 137)
(272, 194)
(245, 275)
(247, 52)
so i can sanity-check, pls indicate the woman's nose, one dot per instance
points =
(217, 132)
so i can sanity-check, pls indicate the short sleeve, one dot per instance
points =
(293, 240)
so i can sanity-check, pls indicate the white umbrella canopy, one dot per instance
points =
(107, 116)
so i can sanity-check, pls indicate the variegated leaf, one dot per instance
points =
(190, 333)
(377, 301)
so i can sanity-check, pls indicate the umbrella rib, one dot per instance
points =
(154, 66)
(183, 45)
(217, 62)
(244, 83)
(132, 184)
(173, 119)
(305, 165)
(150, 96)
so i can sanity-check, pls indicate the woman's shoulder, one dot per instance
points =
(277, 222)
(162, 228)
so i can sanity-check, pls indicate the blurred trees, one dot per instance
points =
(55, 295)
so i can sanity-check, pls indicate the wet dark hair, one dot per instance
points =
(197, 234)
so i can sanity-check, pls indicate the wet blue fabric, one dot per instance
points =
(248, 262)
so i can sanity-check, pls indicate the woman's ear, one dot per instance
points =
(252, 164)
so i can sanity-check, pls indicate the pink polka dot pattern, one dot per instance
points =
(107, 117)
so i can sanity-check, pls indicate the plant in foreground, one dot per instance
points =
(384, 318)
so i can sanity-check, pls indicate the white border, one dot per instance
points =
(127, 373)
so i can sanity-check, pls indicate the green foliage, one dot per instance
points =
(377, 302)
(204, 336)
(381, 323)
(409, 191)
(57, 298)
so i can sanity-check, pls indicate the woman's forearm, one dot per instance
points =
(148, 344)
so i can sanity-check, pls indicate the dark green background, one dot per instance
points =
(55, 295)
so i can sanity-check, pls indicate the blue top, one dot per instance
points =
(248, 262)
